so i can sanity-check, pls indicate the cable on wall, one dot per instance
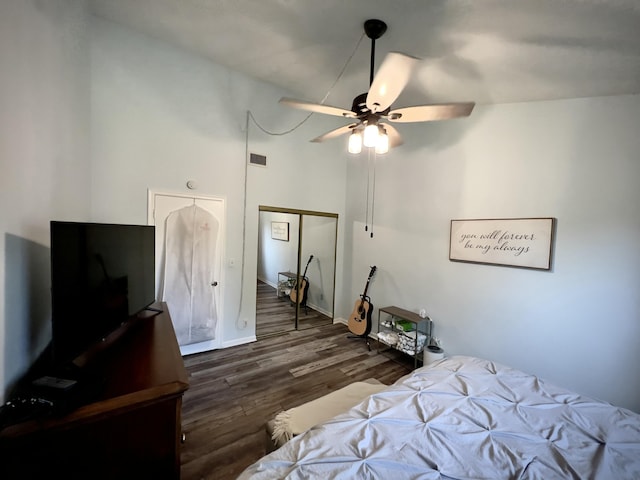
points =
(324, 99)
(240, 325)
(243, 325)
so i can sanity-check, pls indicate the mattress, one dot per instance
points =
(465, 418)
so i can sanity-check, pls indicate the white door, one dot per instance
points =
(189, 253)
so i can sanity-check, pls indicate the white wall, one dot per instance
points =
(44, 162)
(162, 116)
(576, 160)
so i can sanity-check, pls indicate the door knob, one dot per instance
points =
(214, 284)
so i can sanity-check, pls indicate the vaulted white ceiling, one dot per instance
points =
(487, 51)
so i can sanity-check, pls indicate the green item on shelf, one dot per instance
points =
(404, 325)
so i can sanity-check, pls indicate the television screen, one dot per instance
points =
(101, 276)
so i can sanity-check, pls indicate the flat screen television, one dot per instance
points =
(102, 276)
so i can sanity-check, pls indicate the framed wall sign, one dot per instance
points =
(515, 242)
(280, 231)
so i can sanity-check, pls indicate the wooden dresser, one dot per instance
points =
(131, 427)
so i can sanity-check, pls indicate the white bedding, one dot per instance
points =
(465, 418)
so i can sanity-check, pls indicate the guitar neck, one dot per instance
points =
(307, 266)
(366, 287)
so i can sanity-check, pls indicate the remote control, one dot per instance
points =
(54, 382)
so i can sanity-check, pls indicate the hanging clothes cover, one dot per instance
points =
(191, 240)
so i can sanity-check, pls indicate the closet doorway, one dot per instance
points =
(296, 269)
(189, 253)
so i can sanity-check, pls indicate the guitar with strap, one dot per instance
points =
(300, 290)
(360, 319)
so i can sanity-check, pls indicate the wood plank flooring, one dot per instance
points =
(275, 314)
(234, 391)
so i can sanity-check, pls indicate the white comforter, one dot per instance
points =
(465, 418)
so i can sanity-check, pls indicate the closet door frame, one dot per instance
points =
(300, 261)
(151, 220)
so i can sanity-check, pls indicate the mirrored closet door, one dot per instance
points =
(296, 269)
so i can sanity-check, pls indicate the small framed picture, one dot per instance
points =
(280, 231)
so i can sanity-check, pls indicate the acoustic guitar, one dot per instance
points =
(360, 319)
(301, 288)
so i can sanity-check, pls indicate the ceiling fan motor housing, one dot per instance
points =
(359, 107)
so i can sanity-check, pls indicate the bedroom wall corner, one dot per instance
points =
(575, 160)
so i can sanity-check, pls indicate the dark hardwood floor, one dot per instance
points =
(275, 315)
(234, 391)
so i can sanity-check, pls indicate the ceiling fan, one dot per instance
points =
(371, 111)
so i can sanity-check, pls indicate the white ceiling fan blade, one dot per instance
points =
(428, 113)
(395, 139)
(317, 107)
(335, 133)
(390, 80)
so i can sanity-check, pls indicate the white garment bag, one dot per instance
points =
(191, 240)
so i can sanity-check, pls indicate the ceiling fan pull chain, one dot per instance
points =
(366, 213)
(373, 194)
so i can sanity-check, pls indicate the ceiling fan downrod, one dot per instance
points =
(374, 29)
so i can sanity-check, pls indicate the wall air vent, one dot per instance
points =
(260, 160)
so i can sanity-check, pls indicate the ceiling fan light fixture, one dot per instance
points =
(355, 142)
(382, 143)
(370, 134)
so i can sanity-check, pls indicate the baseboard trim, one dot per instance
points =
(340, 320)
(239, 341)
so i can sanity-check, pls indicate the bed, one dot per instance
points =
(465, 418)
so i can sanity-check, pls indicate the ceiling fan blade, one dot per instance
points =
(335, 133)
(428, 113)
(317, 107)
(392, 77)
(395, 139)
